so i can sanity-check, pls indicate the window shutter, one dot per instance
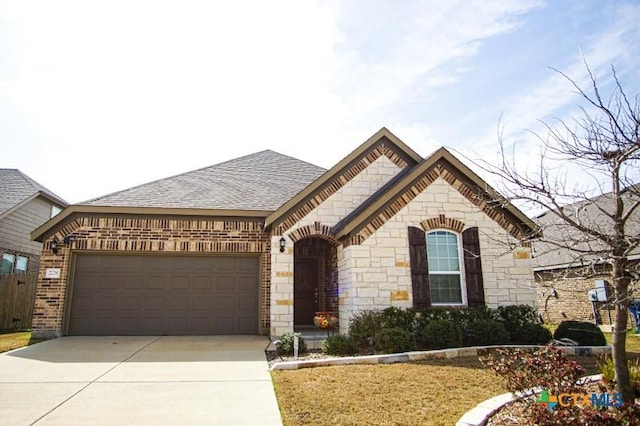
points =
(419, 268)
(473, 267)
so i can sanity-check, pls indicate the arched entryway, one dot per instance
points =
(315, 279)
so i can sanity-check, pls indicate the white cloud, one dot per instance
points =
(102, 95)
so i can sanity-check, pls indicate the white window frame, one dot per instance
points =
(461, 271)
(13, 263)
(26, 265)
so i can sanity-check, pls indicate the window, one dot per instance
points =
(438, 276)
(21, 264)
(445, 270)
(8, 260)
(12, 263)
(55, 210)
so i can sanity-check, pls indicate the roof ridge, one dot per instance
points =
(39, 187)
(222, 163)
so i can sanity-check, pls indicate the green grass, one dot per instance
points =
(14, 340)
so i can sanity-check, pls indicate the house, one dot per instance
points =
(258, 244)
(573, 278)
(24, 206)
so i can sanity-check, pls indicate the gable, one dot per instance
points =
(382, 206)
(381, 145)
(19, 189)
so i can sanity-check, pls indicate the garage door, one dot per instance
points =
(164, 295)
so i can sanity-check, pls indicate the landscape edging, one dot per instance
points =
(479, 414)
(425, 355)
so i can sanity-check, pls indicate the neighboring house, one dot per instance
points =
(260, 243)
(24, 206)
(575, 283)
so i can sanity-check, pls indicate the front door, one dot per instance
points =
(305, 300)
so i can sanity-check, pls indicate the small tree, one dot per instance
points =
(605, 144)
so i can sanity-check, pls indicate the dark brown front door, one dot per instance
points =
(305, 289)
(164, 295)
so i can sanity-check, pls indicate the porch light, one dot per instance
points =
(54, 246)
(282, 244)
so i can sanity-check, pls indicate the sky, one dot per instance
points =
(98, 96)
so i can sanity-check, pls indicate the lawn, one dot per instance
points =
(15, 340)
(435, 392)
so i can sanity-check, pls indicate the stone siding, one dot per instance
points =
(333, 209)
(377, 274)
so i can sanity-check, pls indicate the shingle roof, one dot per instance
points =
(549, 253)
(17, 187)
(261, 181)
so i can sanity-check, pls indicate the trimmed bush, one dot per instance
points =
(393, 340)
(465, 316)
(486, 333)
(339, 345)
(285, 346)
(531, 334)
(441, 334)
(398, 318)
(364, 326)
(516, 317)
(585, 333)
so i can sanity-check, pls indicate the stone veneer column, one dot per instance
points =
(281, 287)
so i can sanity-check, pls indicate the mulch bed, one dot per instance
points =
(518, 412)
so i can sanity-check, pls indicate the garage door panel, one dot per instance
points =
(156, 282)
(133, 303)
(179, 282)
(226, 283)
(153, 302)
(157, 295)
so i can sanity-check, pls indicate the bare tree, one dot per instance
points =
(604, 143)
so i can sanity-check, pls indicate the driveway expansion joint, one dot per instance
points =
(95, 380)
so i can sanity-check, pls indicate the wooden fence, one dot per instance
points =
(17, 297)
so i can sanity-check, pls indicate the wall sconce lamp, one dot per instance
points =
(282, 244)
(554, 293)
(54, 246)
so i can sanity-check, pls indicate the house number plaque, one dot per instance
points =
(52, 273)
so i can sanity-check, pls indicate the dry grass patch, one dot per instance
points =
(430, 393)
(10, 341)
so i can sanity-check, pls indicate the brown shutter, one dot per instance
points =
(419, 268)
(473, 267)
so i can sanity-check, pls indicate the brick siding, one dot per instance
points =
(144, 235)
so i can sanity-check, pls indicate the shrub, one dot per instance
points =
(547, 367)
(285, 345)
(465, 316)
(531, 334)
(440, 334)
(605, 365)
(339, 345)
(486, 333)
(585, 333)
(398, 318)
(516, 317)
(364, 326)
(392, 340)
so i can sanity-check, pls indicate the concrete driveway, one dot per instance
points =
(190, 380)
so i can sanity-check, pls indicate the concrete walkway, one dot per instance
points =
(186, 380)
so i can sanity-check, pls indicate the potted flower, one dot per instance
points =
(325, 320)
